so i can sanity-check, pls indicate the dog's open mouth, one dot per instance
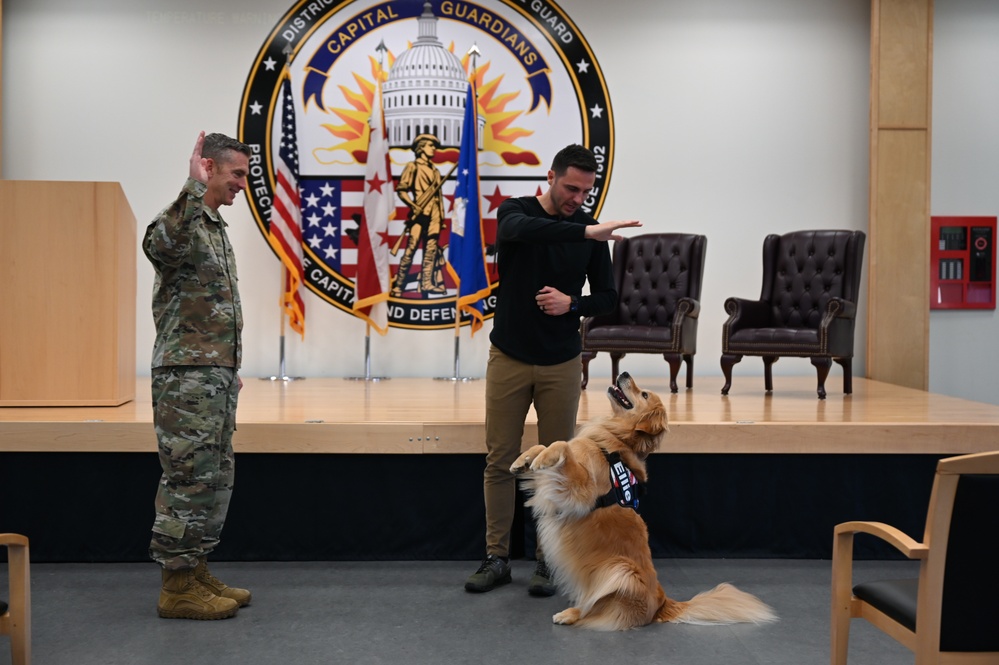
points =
(618, 396)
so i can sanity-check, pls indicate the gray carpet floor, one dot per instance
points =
(415, 613)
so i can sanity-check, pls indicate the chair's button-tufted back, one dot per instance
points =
(809, 268)
(656, 274)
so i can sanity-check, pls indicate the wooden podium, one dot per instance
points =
(67, 294)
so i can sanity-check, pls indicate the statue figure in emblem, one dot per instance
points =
(420, 189)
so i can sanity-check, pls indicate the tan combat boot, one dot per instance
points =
(183, 597)
(219, 588)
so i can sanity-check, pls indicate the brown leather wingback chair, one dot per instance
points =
(658, 278)
(807, 307)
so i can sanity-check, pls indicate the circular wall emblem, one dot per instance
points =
(539, 89)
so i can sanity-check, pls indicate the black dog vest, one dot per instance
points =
(625, 489)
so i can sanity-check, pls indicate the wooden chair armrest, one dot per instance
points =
(13, 539)
(896, 538)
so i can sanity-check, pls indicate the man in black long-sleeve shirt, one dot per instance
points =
(547, 249)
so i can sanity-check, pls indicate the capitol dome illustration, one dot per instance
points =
(425, 91)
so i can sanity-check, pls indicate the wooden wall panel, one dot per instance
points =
(899, 224)
(904, 64)
(899, 323)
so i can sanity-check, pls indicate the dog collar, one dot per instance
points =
(625, 489)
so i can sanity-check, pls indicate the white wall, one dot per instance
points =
(963, 358)
(734, 118)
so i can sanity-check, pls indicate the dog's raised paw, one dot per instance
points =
(550, 457)
(566, 617)
(522, 463)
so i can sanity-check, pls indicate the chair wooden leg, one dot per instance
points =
(615, 364)
(822, 366)
(689, 358)
(586, 357)
(842, 583)
(19, 571)
(674, 361)
(847, 365)
(727, 360)
(768, 373)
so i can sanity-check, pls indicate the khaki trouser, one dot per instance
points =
(511, 387)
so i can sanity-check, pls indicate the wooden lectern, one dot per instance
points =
(67, 294)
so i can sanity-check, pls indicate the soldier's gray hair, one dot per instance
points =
(216, 147)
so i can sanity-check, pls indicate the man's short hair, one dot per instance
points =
(217, 146)
(574, 155)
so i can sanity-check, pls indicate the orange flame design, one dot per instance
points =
(500, 137)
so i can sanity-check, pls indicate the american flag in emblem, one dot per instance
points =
(322, 222)
(331, 208)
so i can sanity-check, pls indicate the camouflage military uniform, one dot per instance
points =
(197, 353)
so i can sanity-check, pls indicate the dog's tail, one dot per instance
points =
(722, 605)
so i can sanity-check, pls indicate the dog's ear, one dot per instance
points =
(654, 422)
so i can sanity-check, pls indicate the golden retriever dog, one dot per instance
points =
(583, 493)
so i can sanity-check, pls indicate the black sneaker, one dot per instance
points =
(493, 572)
(541, 582)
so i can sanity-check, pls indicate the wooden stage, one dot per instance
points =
(747, 475)
(427, 416)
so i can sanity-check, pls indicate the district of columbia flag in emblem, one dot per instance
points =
(467, 252)
(285, 235)
(371, 286)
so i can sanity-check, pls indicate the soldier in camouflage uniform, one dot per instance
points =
(195, 385)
